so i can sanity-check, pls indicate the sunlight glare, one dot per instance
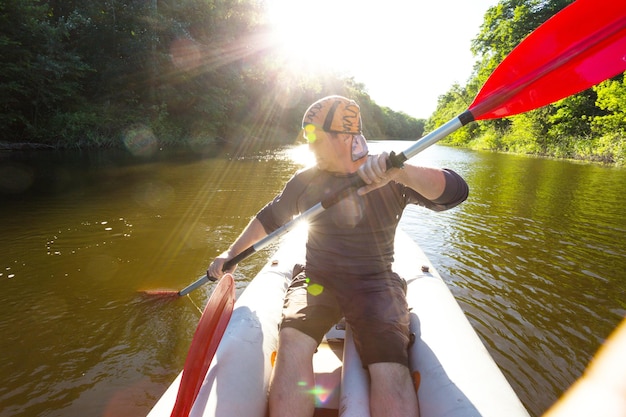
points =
(301, 227)
(301, 155)
(304, 35)
(406, 52)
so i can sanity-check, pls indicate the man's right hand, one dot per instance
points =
(215, 270)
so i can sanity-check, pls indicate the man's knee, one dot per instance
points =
(295, 342)
(383, 372)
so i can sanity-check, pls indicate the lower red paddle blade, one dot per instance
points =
(204, 344)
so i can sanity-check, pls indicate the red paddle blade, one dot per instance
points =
(204, 344)
(582, 45)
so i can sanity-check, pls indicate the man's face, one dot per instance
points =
(330, 150)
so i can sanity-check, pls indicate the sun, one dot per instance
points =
(311, 36)
(406, 53)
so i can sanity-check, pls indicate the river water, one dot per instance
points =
(536, 258)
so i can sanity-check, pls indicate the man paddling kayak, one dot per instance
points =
(349, 252)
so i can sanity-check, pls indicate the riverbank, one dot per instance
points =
(23, 146)
(590, 155)
(606, 150)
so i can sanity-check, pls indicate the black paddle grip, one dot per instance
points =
(234, 261)
(396, 160)
(238, 258)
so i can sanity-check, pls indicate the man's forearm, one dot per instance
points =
(429, 182)
(252, 233)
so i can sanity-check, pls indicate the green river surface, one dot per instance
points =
(536, 258)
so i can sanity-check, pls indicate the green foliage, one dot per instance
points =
(612, 99)
(488, 141)
(521, 137)
(610, 128)
(450, 105)
(590, 125)
(611, 148)
(571, 116)
(400, 125)
(78, 73)
(40, 73)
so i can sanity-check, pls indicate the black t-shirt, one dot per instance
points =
(356, 235)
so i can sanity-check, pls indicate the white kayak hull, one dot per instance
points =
(458, 377)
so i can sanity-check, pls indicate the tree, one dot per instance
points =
(611, 97)
(38, 72)
(78, 72)
(566, 128)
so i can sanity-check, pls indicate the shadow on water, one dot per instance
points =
(37, 174)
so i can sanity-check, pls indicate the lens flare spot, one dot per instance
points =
(315, 289)
(185, 54)
(320, 393)
(309, 133)
(15, 178)
(140, 141)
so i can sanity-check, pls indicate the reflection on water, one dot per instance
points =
(535, 258)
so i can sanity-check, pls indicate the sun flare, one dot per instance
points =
(303, 33)
(301, 155)
(406, 52)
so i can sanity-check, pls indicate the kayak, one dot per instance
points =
(454, 374)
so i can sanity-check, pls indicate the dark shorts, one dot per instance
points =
(374, 306)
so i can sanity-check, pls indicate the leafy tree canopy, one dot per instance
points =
(77, 73)
(588, 125)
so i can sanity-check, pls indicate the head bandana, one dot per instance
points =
(337, 114)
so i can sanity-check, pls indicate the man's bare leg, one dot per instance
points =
(392, 393)
(292, 379)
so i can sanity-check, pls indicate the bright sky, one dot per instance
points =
(406, 52)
